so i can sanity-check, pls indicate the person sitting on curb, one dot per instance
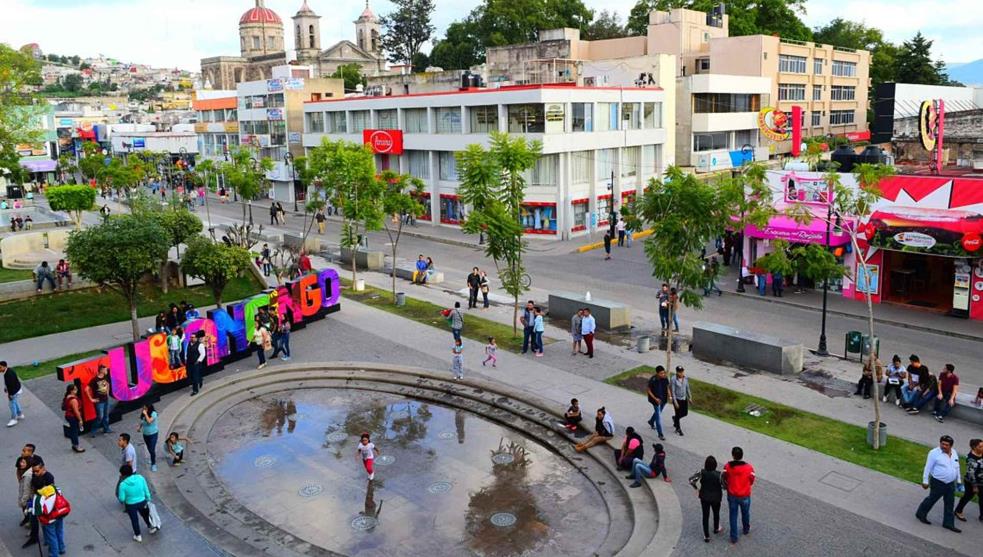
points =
(631, 448)
(603, 431)
(572, 417)
(641, 470)
(928, 389)
(420, 274)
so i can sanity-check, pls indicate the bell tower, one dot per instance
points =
(367, 31)
(307, 35)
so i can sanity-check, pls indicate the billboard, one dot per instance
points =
(384, 142)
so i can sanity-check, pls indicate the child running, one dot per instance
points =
(457, 359)
(174, 445)
(490, 350)
(366, 449)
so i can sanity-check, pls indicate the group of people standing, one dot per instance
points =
(582, 328)
(478, 283)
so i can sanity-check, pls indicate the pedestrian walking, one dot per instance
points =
(134, 493)
(366, 450)
(737, 478)
(663, 298)
(474, 286)
(320, 218)
(658, 394)
(491, 352)
(607, 246)
(628, 235)
(709, 489)
(587, 327)
(273, 214)
(266, 259)
(576, 323)
(946, 397)
(973, 480)
(281, 215)
(262, 341)
(527, 318)
(283, 339)
(196, 361)
(620, 228)
(485, 287)
(941, 477)
(456, 321)
(148, 427)
(72, 407)
(710, 271)
(681, 398)
(457, 359)
(538, 328)
(12, 388)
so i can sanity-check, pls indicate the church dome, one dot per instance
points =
(260, 14)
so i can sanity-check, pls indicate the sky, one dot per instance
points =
(178, 33)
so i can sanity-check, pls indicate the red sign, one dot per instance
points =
(858, 136)
(972, 242)
(384, 142)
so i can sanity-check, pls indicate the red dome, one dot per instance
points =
(260, 15)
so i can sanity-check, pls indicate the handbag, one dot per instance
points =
(154, 517)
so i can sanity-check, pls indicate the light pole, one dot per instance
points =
(822, 351)
(288, 160)
(249, 202)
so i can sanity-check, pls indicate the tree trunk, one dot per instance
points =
(217, 293)
(134, 320)
(871, 360)
(164, 283)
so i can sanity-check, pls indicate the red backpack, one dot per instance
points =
(53, 507)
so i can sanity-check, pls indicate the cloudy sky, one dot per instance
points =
(179, 32)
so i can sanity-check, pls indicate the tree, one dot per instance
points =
(352, 74)
(118, 254)
(913, 63)
(92, 161)
(420, 62)
(606, 25)
(493, 184)
(247, 176)
(406, 29)
(19, 108)
(459, 49)
(746, 17)
(215, 263)
(399, 199)
(72, 82)
(349, 169)
(180, 225)
(686, 214)
(850, 34)
(205, 171)
(74, 199)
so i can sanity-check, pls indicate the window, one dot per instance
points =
(605, 165)
(386, 119)
(415, 120)
(278, 133)
(791, 64)
(844, 69)
(702, 65)
(544, 172)
(334, 122)
(842, 93)
(651, 160)
(261, 127)
(360, 120)
(448, 166)
(526, 118)
(839, 117)
(256, 43)
(580, 163)
(631, 115)
(709, 141)
(271, 42)
(745, 137)
(653, 115)
(791, 92)
(448, 119)
(275, 100)
(704, 103)
(231, 115)
(631, 158)
(817, 66)
(483, 119)
(817, 119)
(314, 122)
(817, 92)
(603, 208)
(418, 164)
(583, 117)
(580, 216)
(607, 117)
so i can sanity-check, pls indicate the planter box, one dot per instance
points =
(369, 260)
(720, 343)
(608, 315)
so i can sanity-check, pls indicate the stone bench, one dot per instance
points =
(406, 270)
(608, 315)
(720, 343)
(297, 242)
(370, 260)
(964, 409)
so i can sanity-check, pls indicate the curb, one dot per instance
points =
(596, 245)
(881, 320)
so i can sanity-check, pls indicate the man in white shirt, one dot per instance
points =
(587, 327)
(941, 476)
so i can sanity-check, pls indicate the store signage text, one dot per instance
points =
(384, 142)
(914, 239)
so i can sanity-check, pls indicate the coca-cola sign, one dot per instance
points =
(384, 142)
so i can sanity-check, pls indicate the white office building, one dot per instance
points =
(600, 144)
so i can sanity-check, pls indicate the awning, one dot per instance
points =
(41, 165)
(786, 228)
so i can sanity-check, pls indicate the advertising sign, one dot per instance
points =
(947, 232)
(294, 83)
(384, 142)
(274, 114)
(293, 137)
(274, 85)
(773, 123)
(928, 124)
(868, 281)
(139, 143)
(27, 150)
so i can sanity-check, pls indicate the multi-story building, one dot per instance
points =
(271, 119)
(217, 123)
(600, 144)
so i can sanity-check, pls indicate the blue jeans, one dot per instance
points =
(175, 358)
(907, 394)
(102, 417)
(54, 536)
(527, 336)
(14, 403)
(135, 511)
(640, 470)
(538, 342)
(744, 504)
(49, 278)
(942, 407)
(151, 441)
(656, 418)
(664, 318)
(921, 400)
(457, 334)
(282, 345)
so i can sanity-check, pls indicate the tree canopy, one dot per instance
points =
(606, 25)
(75, 199)
(215, 263)
(352, 74)
(19, 73)
(406, 29)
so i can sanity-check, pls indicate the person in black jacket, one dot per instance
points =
(11, 386)
(711, 492)
(196, 361)
(474, 284)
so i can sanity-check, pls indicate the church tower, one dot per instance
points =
(367, 32)
(307, 36)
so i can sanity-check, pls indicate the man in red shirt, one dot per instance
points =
(946, 398)
(304, 263)
(738, 476)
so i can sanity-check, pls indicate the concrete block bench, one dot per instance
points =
(608, 315)
(964, 409)
(371, 260)
(720, 343)
(297, 242)
(406, 270)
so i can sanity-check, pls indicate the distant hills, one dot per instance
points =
(970, 73)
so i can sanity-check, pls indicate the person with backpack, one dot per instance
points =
(134, 493)
(50, 507)
(710, 491)
(456, 320)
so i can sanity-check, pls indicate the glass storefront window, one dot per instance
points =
(451, 209)
(583, 117)
(538, 218)
(603, 208)
(483, 119)
(580, 208)
(526, 118)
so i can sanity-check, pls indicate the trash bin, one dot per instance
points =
(882, 435)
(643, 344)
(852, 343)
(401, 298)
(867, 344)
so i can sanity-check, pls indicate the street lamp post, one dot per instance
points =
(822, 351)
(288, 159)
(249, 202)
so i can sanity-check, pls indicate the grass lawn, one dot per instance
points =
(77, 309)
(49, 367)
(11, 275)
(475, 328)
(899, 458)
